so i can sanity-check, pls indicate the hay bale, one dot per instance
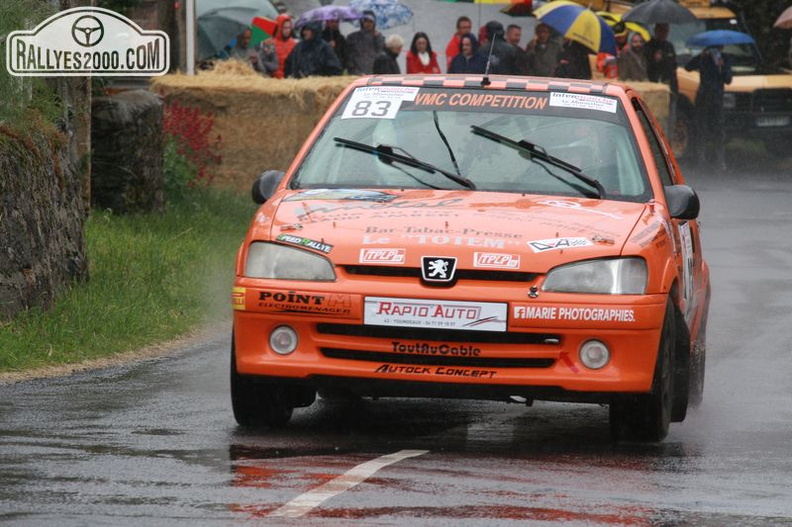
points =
(262, 122)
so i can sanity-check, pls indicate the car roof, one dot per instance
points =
(496, 82)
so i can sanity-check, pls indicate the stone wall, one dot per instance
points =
(126, 166)
(42, 216)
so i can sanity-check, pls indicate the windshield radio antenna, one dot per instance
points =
(485, 81)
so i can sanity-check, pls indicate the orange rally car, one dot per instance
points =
(475, 237)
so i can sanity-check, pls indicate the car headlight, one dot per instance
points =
(730, 101)
(270, 260)
(620, 276)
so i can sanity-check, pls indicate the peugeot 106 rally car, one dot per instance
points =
(475, 237)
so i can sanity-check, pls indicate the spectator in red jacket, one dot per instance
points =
(463, 27)
(421, 58)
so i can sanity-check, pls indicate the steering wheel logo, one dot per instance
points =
(87, 31)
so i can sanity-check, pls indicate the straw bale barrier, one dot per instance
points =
(263, 122)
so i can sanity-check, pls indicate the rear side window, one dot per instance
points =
(658, 150)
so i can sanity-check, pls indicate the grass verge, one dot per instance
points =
(153, 278)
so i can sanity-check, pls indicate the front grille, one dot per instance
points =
(461, 274)
(438, 335)
(773, 101)
(435, 360)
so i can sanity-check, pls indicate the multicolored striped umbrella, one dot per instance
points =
(578, 23)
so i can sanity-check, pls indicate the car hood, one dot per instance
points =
(483, 230)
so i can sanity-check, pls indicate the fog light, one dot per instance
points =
(283, 340)
(594, 354)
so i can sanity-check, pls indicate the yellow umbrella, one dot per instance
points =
(618, 25)
(577, 23)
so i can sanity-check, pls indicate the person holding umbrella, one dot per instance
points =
(716, 72)
(364, 45)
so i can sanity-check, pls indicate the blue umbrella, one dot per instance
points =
(389, 13)
(719, 37)
(328, 12)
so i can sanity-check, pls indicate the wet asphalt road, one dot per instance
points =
(154, 443)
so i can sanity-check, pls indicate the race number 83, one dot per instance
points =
(371, 108)
(367, 105)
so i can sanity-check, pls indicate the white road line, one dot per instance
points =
(303, 504)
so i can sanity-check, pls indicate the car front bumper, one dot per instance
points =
(537, 356)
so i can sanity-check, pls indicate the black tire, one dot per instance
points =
(257, 403)
(698, 361)
(646, 417)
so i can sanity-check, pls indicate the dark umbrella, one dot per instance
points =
(328, 12)
(216, 28)
(719, 37)
(660, 12)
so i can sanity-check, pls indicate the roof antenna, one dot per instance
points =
(485, 81)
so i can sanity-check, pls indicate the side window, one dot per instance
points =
(658, 152)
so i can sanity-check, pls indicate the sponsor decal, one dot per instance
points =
(305, 242)
(588, 314)
(395, 205)
(238, 298)
(436, 370)
(403, 312)
(479, 100)
(583, 102)
(377, 102)
(427, 348)
(540, 246)
(382, 255)
(87, 41)
(306, 302)
(561, 204)
(438, 268)
(496, 260)
(351, 194)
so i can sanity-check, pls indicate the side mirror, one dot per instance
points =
(683, 202)
(265, 185)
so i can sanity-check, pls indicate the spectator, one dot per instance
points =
(661, 67)
(332, 35)
(542, 53)
(364, 45)
(513, 37)
(265, 60)
(513, 34)
(284, 42)
(463, 27)
(632, 61)
(385, 62)
(573, 63)
(608, 64)
(312, 56)
(500, 54)
(421, 58)
(716, 72)
(468, 60)
(237, 47)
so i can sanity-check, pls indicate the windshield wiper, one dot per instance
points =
(535, 151)
(388, 152)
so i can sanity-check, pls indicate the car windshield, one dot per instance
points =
(432, 138)
(745, 57)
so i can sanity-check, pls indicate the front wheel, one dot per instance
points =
(646, 417)
(257, 403)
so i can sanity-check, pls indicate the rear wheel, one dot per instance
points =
(646, 417)
(697, 362)
(257, 403)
